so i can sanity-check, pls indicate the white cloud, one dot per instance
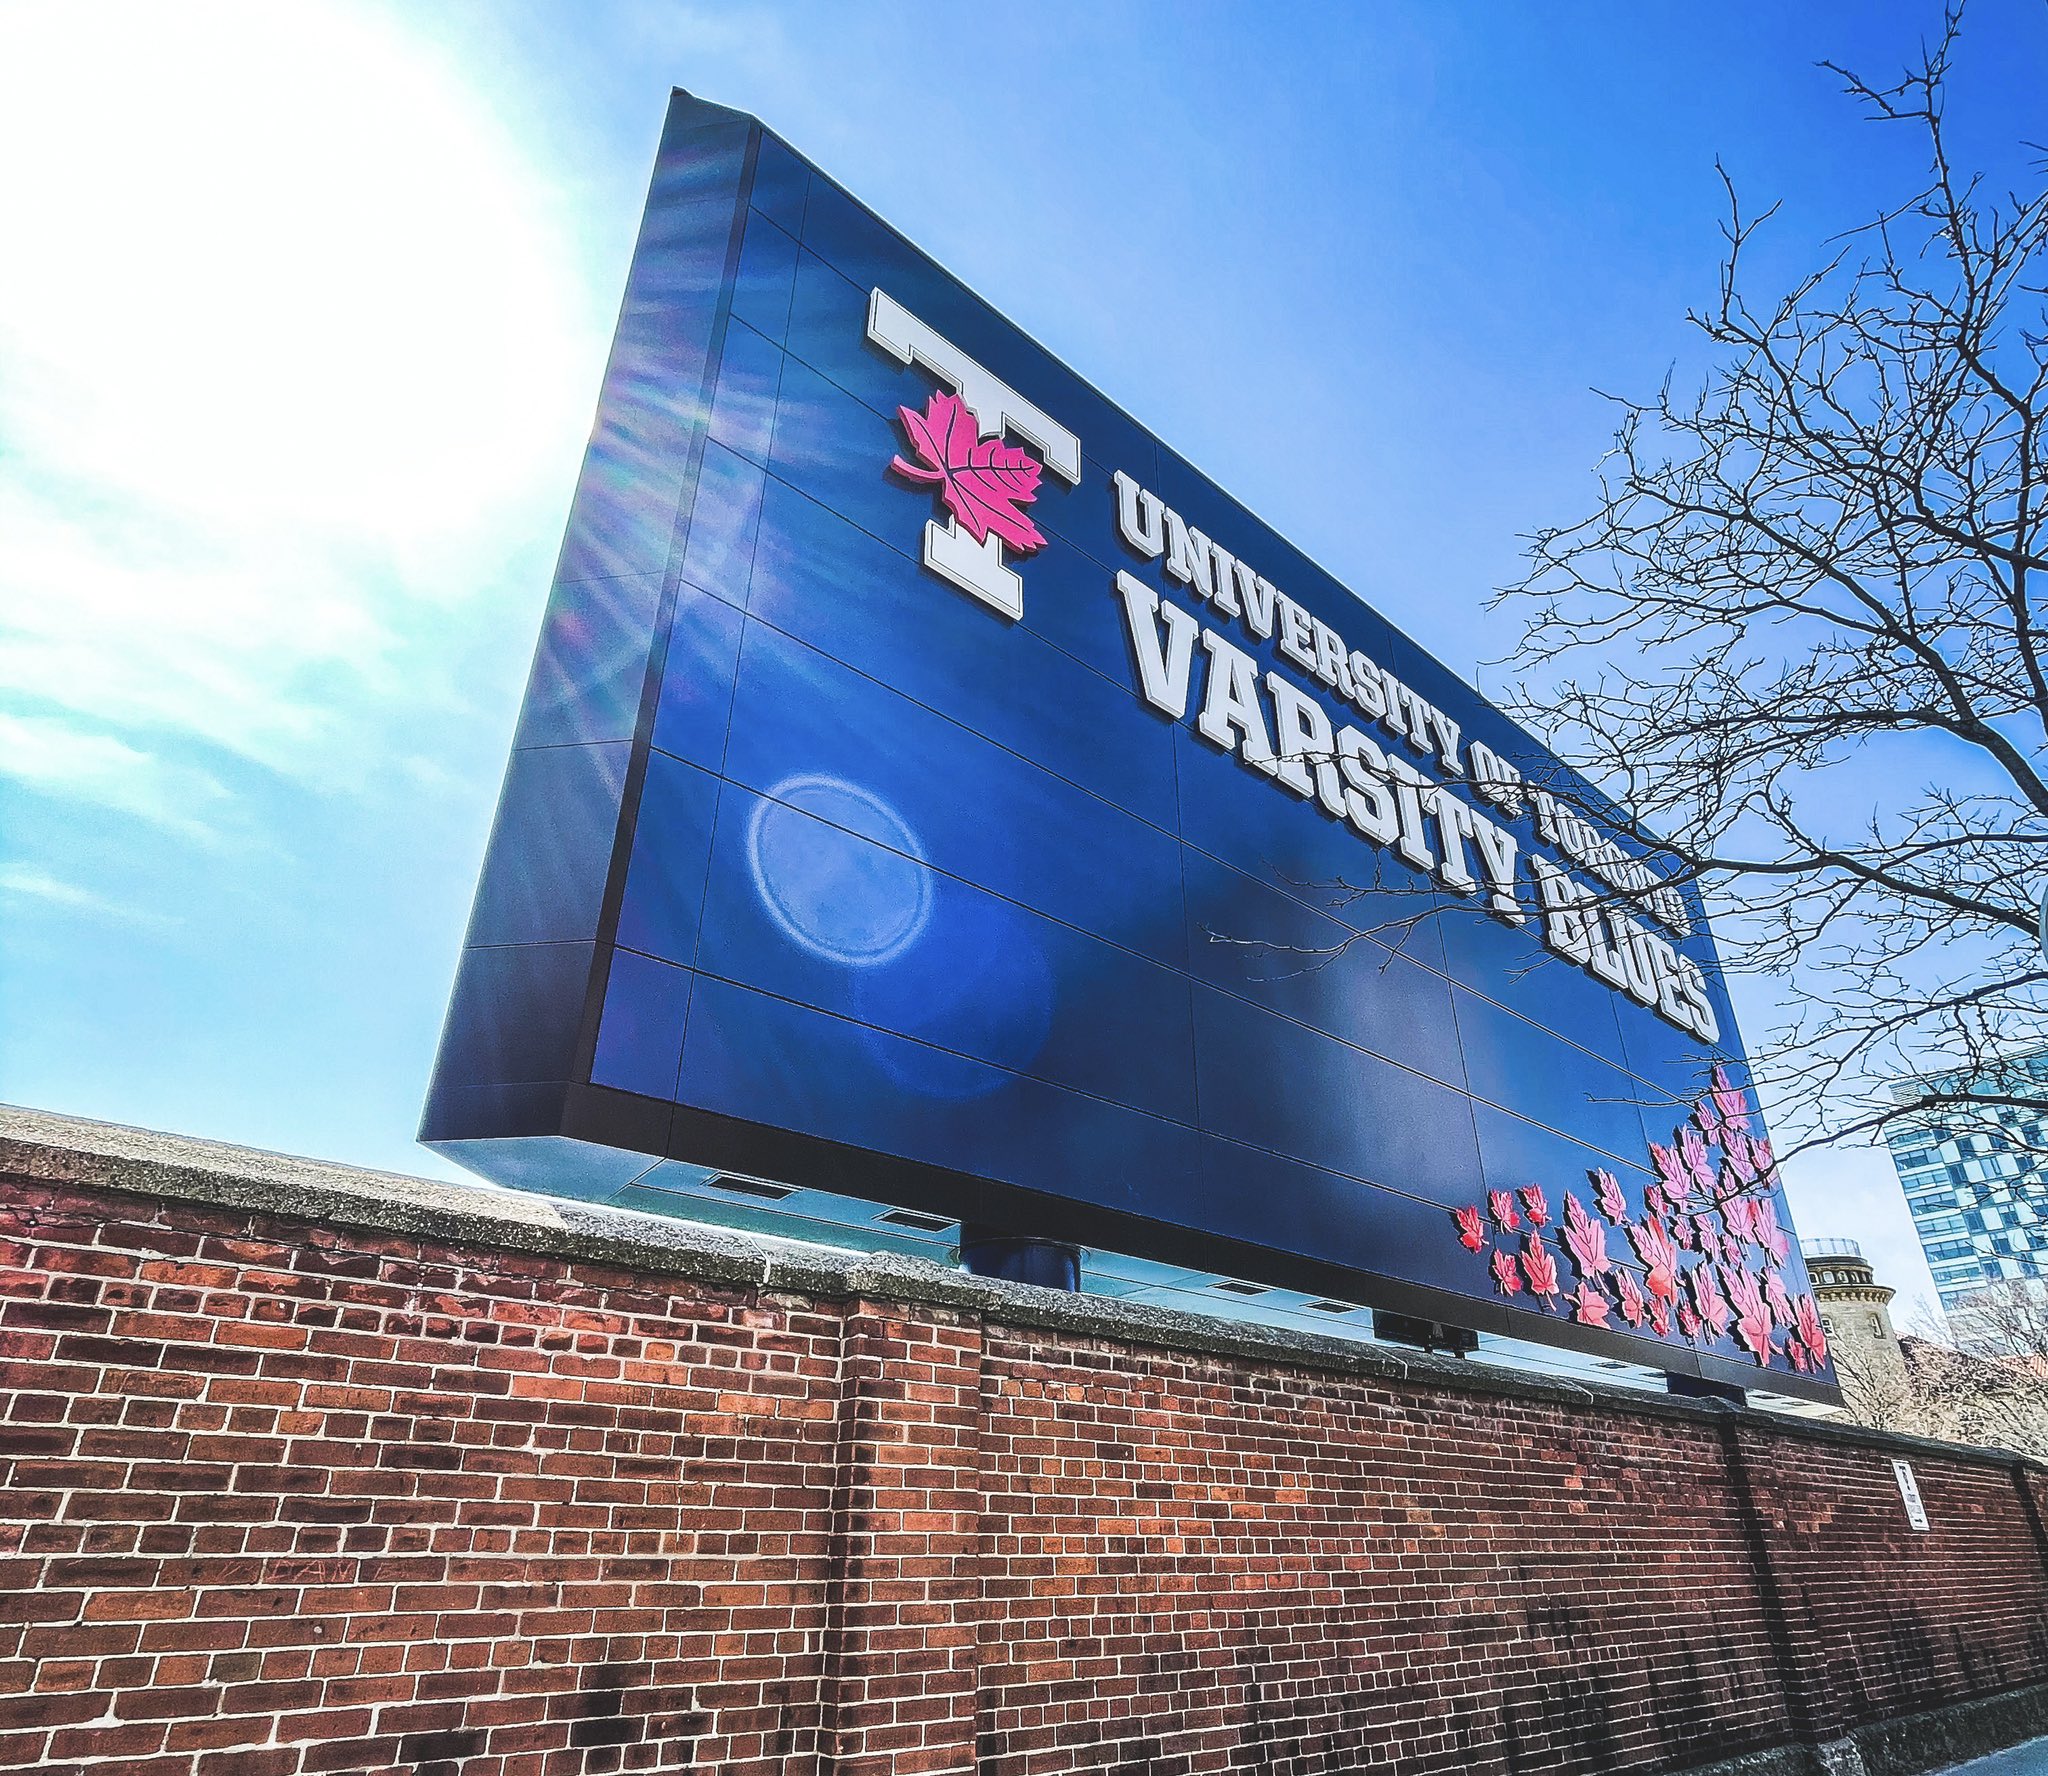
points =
(37, 885)
(139, 619)
(62, 758)
(295, 360)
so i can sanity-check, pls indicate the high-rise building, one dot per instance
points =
(1977, 1181)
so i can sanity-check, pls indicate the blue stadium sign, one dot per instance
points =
(935, 802)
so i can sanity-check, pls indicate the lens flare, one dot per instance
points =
(857, 900)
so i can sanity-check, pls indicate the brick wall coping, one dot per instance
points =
(45, 1146)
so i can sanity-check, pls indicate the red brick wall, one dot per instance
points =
(1891, 1616)
(277, 1497)
(1192, 1558)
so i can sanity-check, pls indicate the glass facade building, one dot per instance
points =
(1979, 1194)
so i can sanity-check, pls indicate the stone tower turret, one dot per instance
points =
(1855, 1311)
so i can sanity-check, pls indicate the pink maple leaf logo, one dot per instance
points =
(1507, 1275)
(1707, 1114)
(1586, 1240)
(1752, 1314)
(1607, 1193)
(1502, 1205)
(1763, 1220)
(1708, 1301)
(1738, 1158)
(1533, 1204)
(1660, 1259)
(1731, 1101)
(1539, 1267)
(1589, 1305)
(1699, 1163)
(1672, 1171)
(1471, 1230)
(984, 482)
(1780, 1303)
(1811, 1334)
(1740, 1214)
(1632, 1304)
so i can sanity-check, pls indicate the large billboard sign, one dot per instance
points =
(933, 792)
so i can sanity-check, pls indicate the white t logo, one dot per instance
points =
(973, 565)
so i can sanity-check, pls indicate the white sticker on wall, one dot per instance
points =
(1909, 1490)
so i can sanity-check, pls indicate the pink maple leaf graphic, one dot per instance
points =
(1738, 1157)
(1811, 1333)
(1752, 1315)
(1708, 1301)
(1502, 1205)
(1797, 1352)
(1688, 1323)
(1740, 1214)
(984, 482)
(1471, 1230)
(1539, 1267)
(1699, 1162)
(1607, 1193)
(1507, 1275)
(1589, 1305)
(1730, 1100)
(1660, 1316)
(1763, 1221)
(1766, 1160)
(1660, 1260)
(1586, 1240)
(1533, 1204)
(1708, 1115)
(1779, 1302)
(1672, 1171)
(1632, 1304)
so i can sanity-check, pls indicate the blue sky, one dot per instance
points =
(305, 314)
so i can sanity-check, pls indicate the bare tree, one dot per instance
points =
(1877, 1386)
(1969, 1399)
(1801, 639)
(2006, 1322)
(1976, 1375)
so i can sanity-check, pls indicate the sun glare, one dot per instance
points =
(290, 340)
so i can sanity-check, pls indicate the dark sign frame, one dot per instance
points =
(932, 791)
